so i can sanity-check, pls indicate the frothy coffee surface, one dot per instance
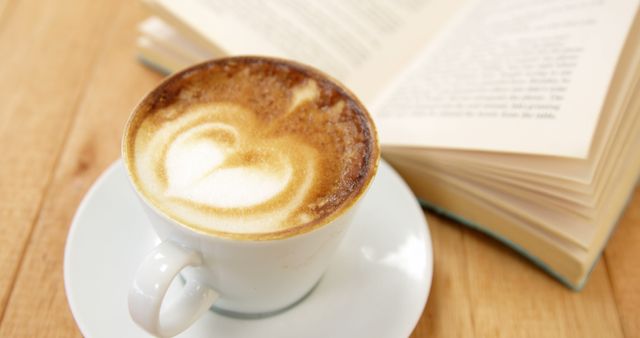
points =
(250, 146)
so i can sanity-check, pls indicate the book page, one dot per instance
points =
(614, 122)
(163, 35)
(522, 76)
(361, 43)
(609, 200)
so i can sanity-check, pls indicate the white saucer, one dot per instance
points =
(377, 285)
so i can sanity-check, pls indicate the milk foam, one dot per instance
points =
(223, 174)
(195, 172)
(250, 146)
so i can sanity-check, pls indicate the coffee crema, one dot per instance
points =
(251, 147)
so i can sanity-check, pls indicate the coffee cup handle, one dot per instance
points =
(150, 286)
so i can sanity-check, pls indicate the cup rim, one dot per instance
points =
(300, 229)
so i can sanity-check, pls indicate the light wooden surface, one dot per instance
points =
(68, 81)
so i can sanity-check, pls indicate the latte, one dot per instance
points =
(251, 147)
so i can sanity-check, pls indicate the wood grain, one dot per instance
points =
(623, 261)
(448, 311)
(512, 298)
(4, 5)
(38, 303)
(48, 51)
(69, 81)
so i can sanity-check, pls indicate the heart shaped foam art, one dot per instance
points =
(207, 181)
(214, 167)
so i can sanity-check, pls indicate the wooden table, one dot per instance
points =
(68, 82)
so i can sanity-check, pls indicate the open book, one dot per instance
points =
(518, 118)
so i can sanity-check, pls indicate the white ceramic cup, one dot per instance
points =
(238, 277)
(234, 276)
